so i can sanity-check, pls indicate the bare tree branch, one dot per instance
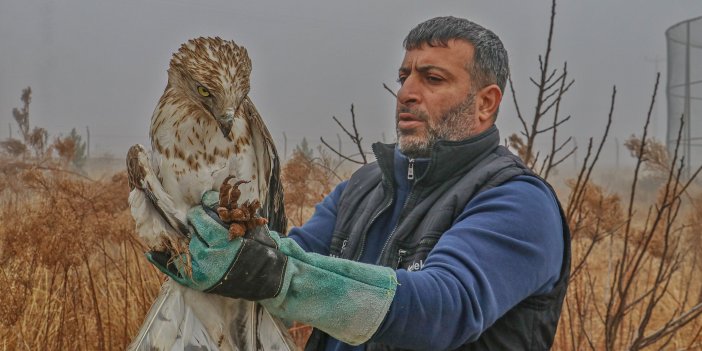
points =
(389, 90)
(355, 138)
(338, 153)
(516, 107)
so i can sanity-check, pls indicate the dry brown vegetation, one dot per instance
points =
(76, 274)
(75, 277)
(306, 180)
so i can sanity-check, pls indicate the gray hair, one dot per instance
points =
(490, 62)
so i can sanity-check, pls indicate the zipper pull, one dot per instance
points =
(343, 246)
(410, 169)
(400, 255)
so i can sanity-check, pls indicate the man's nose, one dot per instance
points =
(409, 91)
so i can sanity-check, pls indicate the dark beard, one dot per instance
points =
(454, 125)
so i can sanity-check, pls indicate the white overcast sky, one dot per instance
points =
(103, 63)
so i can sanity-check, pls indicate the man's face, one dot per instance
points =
(436, 100)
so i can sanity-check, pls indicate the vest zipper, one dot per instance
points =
(380, 257)
(410, 169)
(363, 238)
(410, 177)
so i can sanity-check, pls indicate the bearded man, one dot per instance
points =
(446, 242)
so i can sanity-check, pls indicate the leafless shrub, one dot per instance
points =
(636, 294)
(35, 139)
(551, 86)
(634, 281)
(654, 155)
(66, 149)
(14, 147)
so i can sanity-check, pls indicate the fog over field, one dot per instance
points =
(103, 64)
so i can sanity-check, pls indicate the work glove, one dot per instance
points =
(213, 260)
(346, 299)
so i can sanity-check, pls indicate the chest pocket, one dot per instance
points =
(411, 256)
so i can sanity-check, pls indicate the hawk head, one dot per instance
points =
(212, 76)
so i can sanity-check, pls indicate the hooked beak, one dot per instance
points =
(226, 122)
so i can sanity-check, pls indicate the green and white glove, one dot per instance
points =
(346, 299)
(218, 265)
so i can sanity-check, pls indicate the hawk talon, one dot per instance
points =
(236, 230)
(239, 217)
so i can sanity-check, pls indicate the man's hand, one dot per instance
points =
(248, 267)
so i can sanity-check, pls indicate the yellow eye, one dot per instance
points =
(203, 91)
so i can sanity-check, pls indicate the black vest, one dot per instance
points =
(456, 173)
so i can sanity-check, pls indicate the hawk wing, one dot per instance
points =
(152, 208)
(269, 170)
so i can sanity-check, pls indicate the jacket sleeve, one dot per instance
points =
(316, 234)
(504, 247)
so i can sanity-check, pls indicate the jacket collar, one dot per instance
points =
(447, 157)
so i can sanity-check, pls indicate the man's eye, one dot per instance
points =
(434, 79)
(401, 80)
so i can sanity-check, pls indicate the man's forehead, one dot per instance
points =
(456, 52)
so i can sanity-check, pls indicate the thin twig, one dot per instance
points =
(338, 153)
(516, 107)
(389, 90)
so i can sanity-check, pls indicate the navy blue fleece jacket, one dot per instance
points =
(505, 246)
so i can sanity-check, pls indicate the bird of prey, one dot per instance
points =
(205, 129)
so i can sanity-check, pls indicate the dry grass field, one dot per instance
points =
(75, 277)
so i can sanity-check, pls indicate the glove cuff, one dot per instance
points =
(347, 300)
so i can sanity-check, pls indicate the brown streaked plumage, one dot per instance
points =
(204, 129)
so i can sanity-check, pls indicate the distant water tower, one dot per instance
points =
(685, 90)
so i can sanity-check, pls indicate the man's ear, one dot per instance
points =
(487, 101)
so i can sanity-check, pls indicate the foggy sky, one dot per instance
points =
(103, 64)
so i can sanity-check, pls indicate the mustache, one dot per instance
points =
(420, 115)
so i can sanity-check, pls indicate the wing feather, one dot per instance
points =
(269, 171)
(143, 179)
